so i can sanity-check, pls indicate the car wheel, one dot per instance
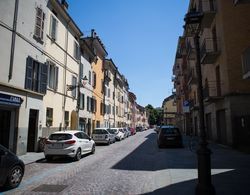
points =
(48, 158)
(15, 177)
(109, 142)
(93, 149)
(78, 155)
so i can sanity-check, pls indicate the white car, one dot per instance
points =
(68, 143)
(102, 135)
(119, 134)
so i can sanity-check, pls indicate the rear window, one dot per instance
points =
(60, 137)
(170, 131)
(99, 131)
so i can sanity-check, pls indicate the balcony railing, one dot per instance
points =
(210, 50)
(211, 94)
(208, 8)
(190, 51)
(192, 79)
(246, 63)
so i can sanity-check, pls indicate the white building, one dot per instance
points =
(63, 59)
(23, 73)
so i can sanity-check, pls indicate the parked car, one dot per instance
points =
(138, 129)
(157, 129)
(71, 143)
(119, 134)
(11, 168)
(132, 130)
(102, 135)
(126, 132)
(169, 136)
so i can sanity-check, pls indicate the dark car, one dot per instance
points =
(11, 168)
(169, 136)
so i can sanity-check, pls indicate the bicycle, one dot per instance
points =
(193, 143)
(41, 143)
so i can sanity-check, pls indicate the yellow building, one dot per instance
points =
(96, 78)
(169, 110)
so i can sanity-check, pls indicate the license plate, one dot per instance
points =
(170, 138)
(57, 145)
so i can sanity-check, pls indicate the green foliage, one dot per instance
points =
(155, 115)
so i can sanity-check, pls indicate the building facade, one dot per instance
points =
(169, 110)
(224, 55)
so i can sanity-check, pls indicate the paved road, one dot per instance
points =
(136, 166)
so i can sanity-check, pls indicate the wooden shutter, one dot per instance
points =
(29, 70)
(56, 77)
(43, 78)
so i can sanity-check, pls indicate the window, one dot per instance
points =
(66, 119)
(90, 77)
(81, 71)
(94, 80)
(52, 76)
(53, 28)
(74, 80)
(113, 110)
(81, 106)
(93, 105)
(116, 110)
(49, 117)
(88, 103)
(39, 25)
(76, 50)
(36, 76)
(108, 92)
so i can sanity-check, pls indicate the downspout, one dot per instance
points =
(13, 41)
(64, 75)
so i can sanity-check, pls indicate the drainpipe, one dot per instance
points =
(13, 41)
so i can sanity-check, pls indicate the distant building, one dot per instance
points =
(169, 111)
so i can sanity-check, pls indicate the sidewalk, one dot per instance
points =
(31, 157)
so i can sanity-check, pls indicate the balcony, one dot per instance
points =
(174, 91)
(192, 79)
(190, 51)
(211, 94)
(208, 8)
(246, 63)
(210, 50)
(241, 1)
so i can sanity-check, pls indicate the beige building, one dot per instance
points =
(62, 45)
(224, 50)
(169, 110)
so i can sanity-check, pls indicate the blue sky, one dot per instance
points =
(140, 36)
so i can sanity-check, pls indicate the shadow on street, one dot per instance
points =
(232, 167)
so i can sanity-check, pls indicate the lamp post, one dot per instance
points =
(204, 187)
(82, 82)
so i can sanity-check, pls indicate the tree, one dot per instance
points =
(155, 115)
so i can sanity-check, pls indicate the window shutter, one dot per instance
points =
(29, 70)
(56, 78)
(88, 103)
(43, 78)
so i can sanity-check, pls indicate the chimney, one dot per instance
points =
(64, 4)
(93, 33)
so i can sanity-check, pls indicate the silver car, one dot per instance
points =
(102, 135)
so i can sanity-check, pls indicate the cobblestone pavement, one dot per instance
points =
(136, 166)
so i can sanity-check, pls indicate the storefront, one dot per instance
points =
(9, 111)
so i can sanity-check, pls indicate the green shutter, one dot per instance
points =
(29, 70)
(43, 78)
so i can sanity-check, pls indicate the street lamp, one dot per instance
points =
(204, 187)
(82, 82)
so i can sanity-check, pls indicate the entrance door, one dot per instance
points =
(32, 130)
(221, 126)
(5, 117)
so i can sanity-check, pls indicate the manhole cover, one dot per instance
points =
(49, 188)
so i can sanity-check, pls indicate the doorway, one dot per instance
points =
(32, 130)
(5, 118)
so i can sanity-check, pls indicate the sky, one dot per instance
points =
(141, 38)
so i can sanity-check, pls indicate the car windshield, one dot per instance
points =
(111, 131)
(60, 136)
(170, 130)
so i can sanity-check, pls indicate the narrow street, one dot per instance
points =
(136, 166)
